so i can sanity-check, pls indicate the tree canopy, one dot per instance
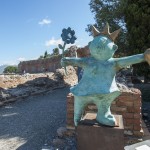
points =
(133, 16)
(55, 51)
(110, 11)
(47, 55)
(137, 18)
(11, 69)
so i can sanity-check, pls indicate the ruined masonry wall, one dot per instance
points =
(40, 65)
(127, 104)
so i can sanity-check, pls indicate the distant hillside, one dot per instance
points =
(2, 67)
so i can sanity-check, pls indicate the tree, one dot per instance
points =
(41, 57)
(110, 11)
(11, 69)
(45, 54)
(55, 51)
(137, 18)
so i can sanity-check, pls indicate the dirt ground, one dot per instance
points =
(11, 81)
(13, 87)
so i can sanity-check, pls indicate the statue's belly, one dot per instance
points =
(88, 86)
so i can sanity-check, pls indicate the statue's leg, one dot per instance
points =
(79, 104)
(104, 115)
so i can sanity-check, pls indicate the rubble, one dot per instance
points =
(19, 86)
(65, 139)
(16, 86)
(61, 131)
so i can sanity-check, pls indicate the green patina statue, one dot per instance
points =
(98, 83)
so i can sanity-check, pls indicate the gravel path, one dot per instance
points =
(29, 124)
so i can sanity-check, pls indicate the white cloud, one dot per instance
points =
(21, 59)
(12, 62)
(53, 42)
(45, 22)
(9, 63)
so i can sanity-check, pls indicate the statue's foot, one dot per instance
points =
(77, 119)
(109, 120)
(76, 122)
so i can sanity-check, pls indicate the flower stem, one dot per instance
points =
(63, 51)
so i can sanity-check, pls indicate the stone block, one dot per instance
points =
(130, 109)
(139, 133)
(125, 103)
(137, 127)
(128, 127)
(128, 132)
(128, 115)
(137, 115)
(70, 115)
(93, 136)
(137, 109)
(145, 145)
(70, 122)
(118, 109)
(129, 121)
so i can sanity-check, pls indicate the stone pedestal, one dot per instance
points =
(145, 145)
(93, 136)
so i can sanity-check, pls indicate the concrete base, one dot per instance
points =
(93, 136)
(145, 145)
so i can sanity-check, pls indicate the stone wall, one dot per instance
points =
(40, 65)
(128, 105)
(51, 64)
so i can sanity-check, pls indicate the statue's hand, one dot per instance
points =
(147, 55)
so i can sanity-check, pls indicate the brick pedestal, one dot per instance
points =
(127, 104)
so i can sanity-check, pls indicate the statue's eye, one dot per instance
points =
(115, 47)
(103, 40)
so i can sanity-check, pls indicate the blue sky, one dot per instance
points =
(30, 27)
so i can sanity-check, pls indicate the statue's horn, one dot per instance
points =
(106, 29)
(115, 34)
(95, 31)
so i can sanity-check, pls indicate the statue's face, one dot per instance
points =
(102, 47)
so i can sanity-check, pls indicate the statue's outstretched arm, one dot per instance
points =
(73, 61)
(134, 59)
(126, 61)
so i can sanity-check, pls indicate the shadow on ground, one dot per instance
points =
(28, 124)
(32, 87)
